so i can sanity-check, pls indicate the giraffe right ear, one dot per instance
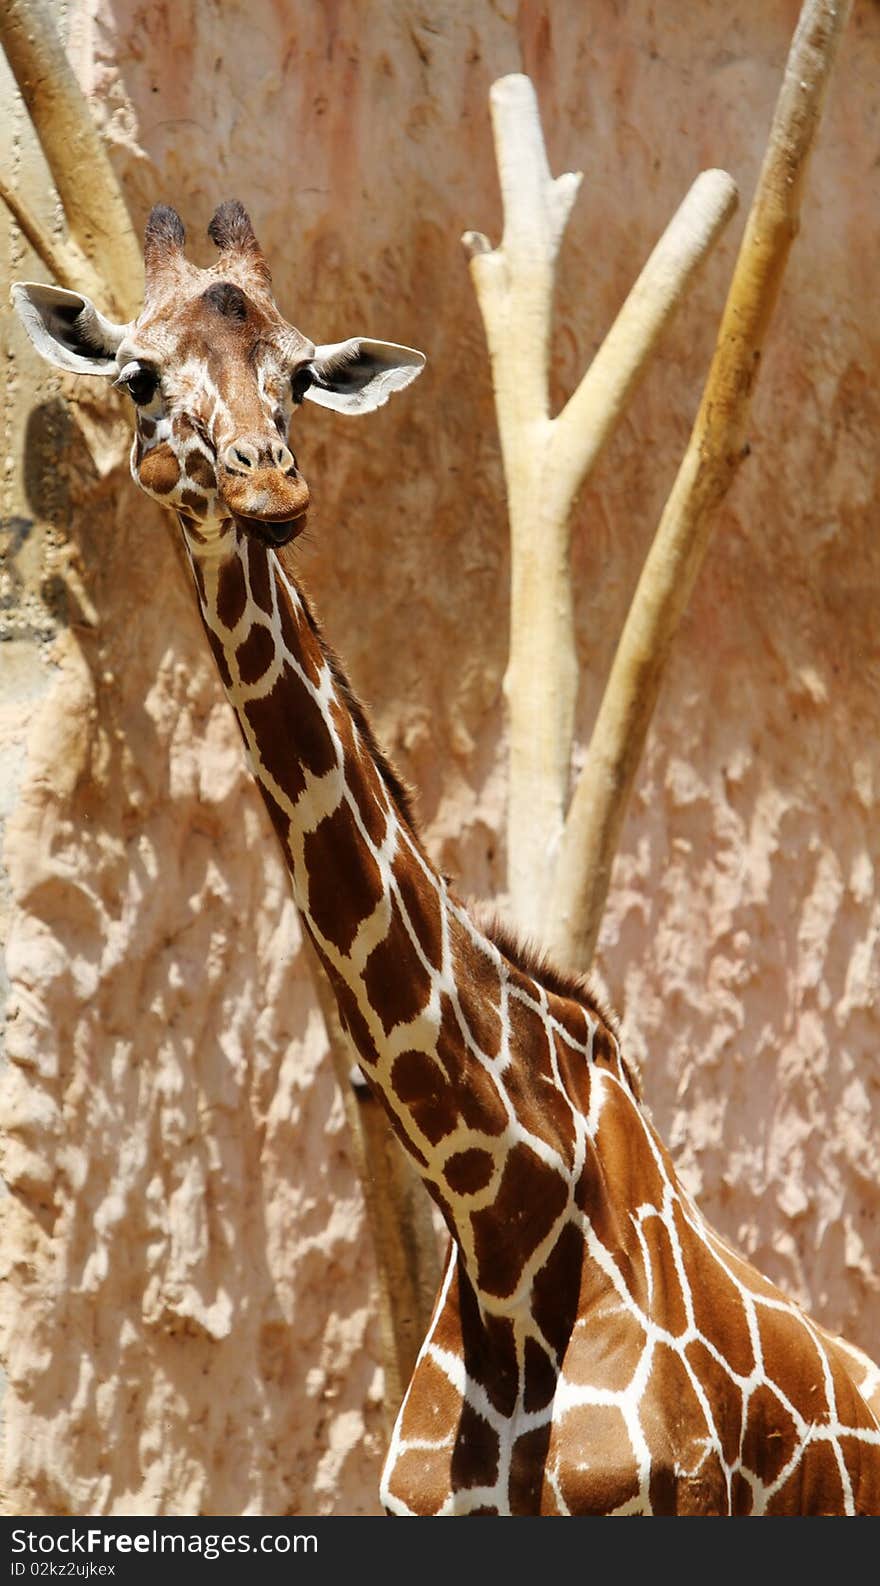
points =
(67, 329)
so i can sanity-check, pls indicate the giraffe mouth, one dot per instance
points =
(271, 531)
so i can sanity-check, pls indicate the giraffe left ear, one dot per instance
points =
(358, 375)
(67, 329)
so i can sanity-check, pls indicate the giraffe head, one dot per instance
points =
(214, 374)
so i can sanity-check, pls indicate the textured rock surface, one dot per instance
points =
(188, 1321)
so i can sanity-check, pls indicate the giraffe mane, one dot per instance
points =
(571, 986)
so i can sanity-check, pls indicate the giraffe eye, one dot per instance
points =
(140, 382)
(301, 381)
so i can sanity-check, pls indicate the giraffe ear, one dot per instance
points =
(358, 375)
(67, 329)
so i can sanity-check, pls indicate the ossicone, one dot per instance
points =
(231, 231)
(164, 238)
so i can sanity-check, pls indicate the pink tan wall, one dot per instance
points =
(188, 1319)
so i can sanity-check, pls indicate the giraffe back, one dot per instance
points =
(650, 1369)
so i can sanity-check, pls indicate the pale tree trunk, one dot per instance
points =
(560, 855)
(546, 459)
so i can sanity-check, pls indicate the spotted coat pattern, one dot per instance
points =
(595, 1348)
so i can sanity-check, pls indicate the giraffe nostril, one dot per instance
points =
(242, 456)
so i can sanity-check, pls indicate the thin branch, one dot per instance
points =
(546, 459)
(97, 216)
(716, 448)
(594, 409)
(64, 260)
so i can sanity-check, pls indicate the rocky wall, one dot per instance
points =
(188, 1313)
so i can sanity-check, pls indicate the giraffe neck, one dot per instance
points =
(595, 1348)
(484, 1082)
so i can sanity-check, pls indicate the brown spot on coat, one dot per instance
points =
(598, 1194)
(421, 1086)
(293, 738)
(398, 985)
(623, 1151)
(556, 1290)
(574, 1072)
(420, 1478)
(760, 1452)
(489, 1348)
(529, 1032)
(344, 880)
(604, 1475)
(541, 1377)
(741, 1494)
(527, 1461)
(260, 578)
(200, 469)
(607, 1346)
(257, 654)
(718, 1311)
(193, 501)
(421, 900)
(530, 1199)
(231, 592)
(476, 1452)
(476, 1093)
(362, 777)
(814, 1486)
(159, 470)
(467, 1172)
(349, 1010)
(478, 981)
(723, 1394)
(664, 1273)
(302, 637)
(686, 1477)
(364, 784)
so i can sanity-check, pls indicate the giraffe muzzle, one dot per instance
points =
(269, 503)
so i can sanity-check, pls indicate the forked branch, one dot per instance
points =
(546, 459)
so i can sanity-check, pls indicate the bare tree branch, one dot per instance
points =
(546, 459)
(715, 450)
(97, 216)
(64, 260)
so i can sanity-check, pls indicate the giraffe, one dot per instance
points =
(595, 1347)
